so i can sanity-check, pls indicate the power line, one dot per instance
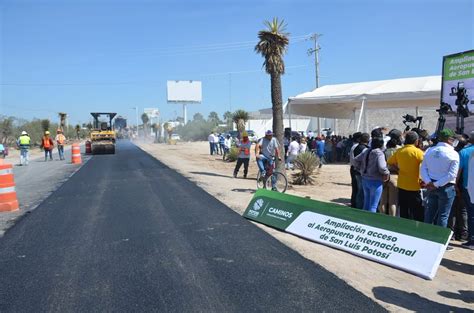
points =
(202, 48)
(178, 51)
(20, 84)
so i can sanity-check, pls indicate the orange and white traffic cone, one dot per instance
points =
(8, 199)
(76, 154)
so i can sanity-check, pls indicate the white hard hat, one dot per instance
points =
(24, 132)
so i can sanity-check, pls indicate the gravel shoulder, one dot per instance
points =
(451, 289)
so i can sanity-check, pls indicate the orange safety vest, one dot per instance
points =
(46, 142)
(246, 151)
(60, 138)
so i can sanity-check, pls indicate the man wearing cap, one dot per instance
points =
(60, 140)
(244, 154)
(24, 143)
(464, 157)
(266, 150)
(439, 170)
(47, 144)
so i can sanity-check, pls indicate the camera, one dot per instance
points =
(462, 99)
(444, 108)
(407, 118)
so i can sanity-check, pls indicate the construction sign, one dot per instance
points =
(405, 244)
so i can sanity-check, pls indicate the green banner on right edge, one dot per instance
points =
(409, 245)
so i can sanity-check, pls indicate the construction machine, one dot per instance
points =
(103, 135)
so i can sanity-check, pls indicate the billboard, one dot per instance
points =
(458, 71)
(152, 112)
(184, 91)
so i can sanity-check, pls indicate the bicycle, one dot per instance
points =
(272, 177)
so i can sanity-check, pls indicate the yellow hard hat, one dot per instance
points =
(46, 132)
(245, 134)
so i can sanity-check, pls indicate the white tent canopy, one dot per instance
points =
(341, 101)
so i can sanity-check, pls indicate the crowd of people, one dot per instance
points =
(403, 174)
(329, 149)
(407, 175)
(47, 144)
(219, 143)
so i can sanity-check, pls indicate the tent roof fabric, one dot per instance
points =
(340, 101)
(267, 114)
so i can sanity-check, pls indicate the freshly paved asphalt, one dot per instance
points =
(36, 182)
(126, 233)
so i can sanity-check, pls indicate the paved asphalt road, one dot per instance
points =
(126, 233)
(36, 182)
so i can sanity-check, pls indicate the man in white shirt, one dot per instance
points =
(293, 150)
(439, 170)
(216, 143)
(211, 142)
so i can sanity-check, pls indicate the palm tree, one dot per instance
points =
(62, 120)
(240, 117)
(272, 45)
(78, 131)
(169, 129)
(156, 128)
(228, 118)
(214, 118)
(145, 120)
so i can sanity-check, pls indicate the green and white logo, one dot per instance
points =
(257, 206)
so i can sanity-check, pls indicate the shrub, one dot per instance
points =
(233, 154)
(306, 163)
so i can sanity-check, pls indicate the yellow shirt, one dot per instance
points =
(408, 160)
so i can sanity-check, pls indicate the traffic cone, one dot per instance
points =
(76, 154)
(8, 199)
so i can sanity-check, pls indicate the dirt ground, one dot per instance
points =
(451, 289)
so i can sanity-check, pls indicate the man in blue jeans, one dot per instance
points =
(439, 170)
(266, 150)
(464, 156)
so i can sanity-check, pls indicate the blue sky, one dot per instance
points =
(111, 55)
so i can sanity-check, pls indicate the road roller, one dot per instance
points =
(103, 135)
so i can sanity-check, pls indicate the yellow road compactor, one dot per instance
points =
(103, 135)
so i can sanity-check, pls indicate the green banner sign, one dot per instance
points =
(459, 66)
(458, 72)
(409, 245)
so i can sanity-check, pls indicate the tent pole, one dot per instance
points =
(319, 126)
(366, 121)
(360, 113)
(354, 119)
(288, 107)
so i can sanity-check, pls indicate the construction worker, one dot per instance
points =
(244, 154)
(47, 144)
(23, 143)
(60, 140)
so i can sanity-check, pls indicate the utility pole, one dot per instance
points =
(315, 51)
(230, 92)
